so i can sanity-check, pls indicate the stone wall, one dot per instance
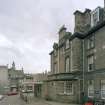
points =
(77, 54)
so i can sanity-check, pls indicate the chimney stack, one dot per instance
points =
(82, 20)
(62, 32)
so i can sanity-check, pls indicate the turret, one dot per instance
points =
(13, 65)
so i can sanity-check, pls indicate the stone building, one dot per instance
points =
(32, 85)
(27, 87)
(15, 78)
(28, 83)
(66, 68)
(4, 82)
(93, 69)
(77, 60)
(38, 79)
(94, 58)
(10, 79)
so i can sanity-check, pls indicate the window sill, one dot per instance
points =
(90, 48)
(91, 96)
(102, 97)
(65, 94)
(67, 48)
(90, 70)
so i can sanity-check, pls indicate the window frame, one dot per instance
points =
(102, 82)
(95, 17)
(29, 87)
(66, 89)
(91, 64)
(91, 42)
(90, 89)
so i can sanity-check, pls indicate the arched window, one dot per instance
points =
(67, 64)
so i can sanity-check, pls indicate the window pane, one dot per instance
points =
(68, 87)
(90, 62)
(90, 88)
(103, 89)
(95, 17)
(91, 42)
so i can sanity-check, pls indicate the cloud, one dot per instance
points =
(4, 42)
(28, 29)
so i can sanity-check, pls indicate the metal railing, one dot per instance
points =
(99, 102)
(103, 94)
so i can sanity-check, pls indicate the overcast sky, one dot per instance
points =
(28, 29)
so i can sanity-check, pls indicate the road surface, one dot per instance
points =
(15, 100)
(12, 100)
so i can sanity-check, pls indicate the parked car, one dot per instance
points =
(12, 93)
(1, 97)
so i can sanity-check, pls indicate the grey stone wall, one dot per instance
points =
(98, 73)
(61, 60)
(55, 94)
(98, 50)
(77, 55)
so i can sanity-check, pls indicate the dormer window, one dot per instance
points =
(67, 44)
(95, 16)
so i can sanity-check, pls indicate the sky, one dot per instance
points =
(28, 29)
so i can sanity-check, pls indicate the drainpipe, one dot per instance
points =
(71, 58)
(58, 60)
(83, 66)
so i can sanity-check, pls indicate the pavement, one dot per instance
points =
(37, 101)
(12, 100)
(58, 103)
(16, 100)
